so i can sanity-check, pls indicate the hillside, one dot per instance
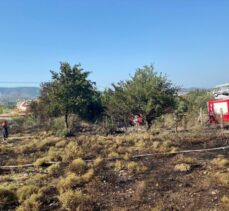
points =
(12, 94)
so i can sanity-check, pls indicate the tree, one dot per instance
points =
(147, 92)
(70, 91)
(197, 99)
(45, 106)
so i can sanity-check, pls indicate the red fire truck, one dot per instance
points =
(218, 108)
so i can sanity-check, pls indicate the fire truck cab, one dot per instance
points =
(218, 108)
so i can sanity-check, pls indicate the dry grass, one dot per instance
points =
(87, 177)
(183, 167)
(78, 166)
(71, 181)
(26, 191)
(223, 178)
(7, 198)
(71, 200)
(225, 201)
(72, 151)
(221, 161)
(140, 189)
(137, 181)
(54, 169)
(119, 165)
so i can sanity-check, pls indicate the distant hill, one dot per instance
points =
(12, 94)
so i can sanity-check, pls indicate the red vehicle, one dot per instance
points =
(218, 108)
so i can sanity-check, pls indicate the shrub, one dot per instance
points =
(88, 176)
(113, 155)
(132, 166)
(55, 154)
(183, 167)
(40, 162)
(188, 160)
(26, 191)
(61, 144)
(7, 198)
(69, 182)
(78, 166)
(33, 203)
(223, 178)
(136, 167)
(38, 179)
(54, 169)
(225, 201)
(72, 151)
(73, 199)
(140, 145)
(98, 162)
(119, 165)
(220, 161)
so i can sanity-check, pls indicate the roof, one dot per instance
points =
(222, 85)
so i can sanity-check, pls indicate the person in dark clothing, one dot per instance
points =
(5, 131)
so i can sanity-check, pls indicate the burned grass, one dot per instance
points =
(92, 172)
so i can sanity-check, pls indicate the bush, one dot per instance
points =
(136, 167)
(220, 161)
(7, 198)
(225, 201)
(183, 167)
(37, 201)
(223, 178)
(33, 203)
(119, 165)
(78, 166)
(55, 154)
(73, 199)
(72, 151)
(69, 182)
(40, 162)
(26, 191)
(88, 176)
(61, 144)
(54, 169)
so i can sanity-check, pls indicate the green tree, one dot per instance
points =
(69, 91)
(197, 99)
(147, 92)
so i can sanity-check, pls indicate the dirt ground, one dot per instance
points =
(161, 186)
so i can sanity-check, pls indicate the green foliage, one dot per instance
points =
(147, 92)
(197, 99)
(70, 91)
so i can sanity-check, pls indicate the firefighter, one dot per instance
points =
(5, 132)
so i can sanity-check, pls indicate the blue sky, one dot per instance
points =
(186, 39)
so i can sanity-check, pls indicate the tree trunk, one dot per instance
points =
(66, 121)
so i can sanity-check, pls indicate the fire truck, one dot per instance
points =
(218, 107)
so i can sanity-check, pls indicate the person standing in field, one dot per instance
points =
(5, 131)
